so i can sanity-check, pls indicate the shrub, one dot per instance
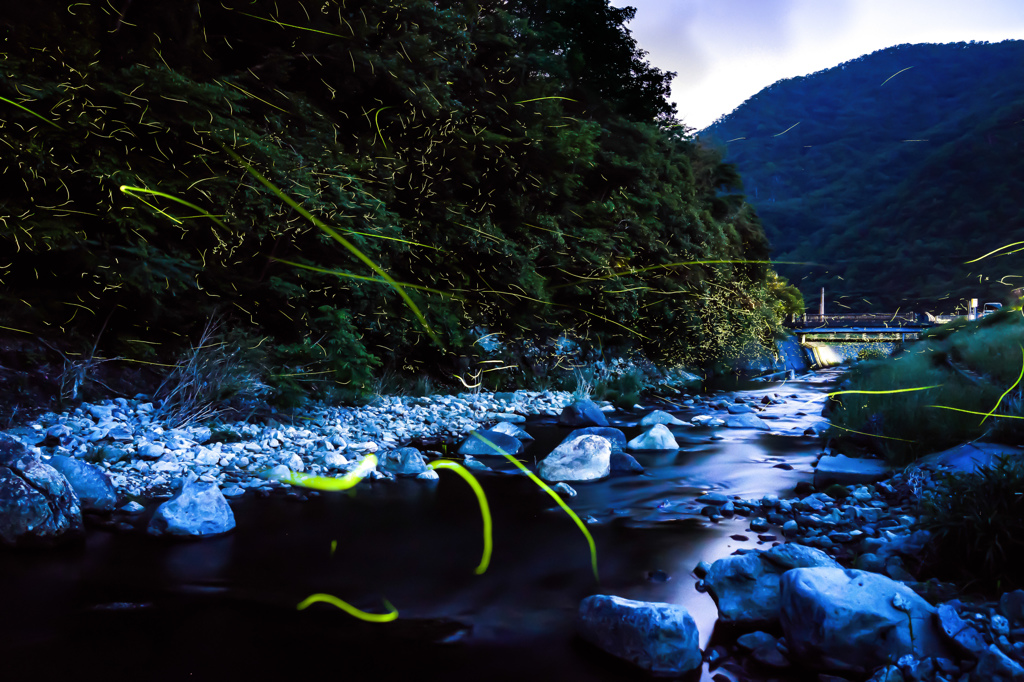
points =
(977, 521)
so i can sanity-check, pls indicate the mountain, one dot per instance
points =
(884, 176)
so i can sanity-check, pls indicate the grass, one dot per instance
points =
(211, 374)
(973, 369)
(977, 525)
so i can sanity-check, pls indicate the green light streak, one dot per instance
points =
(282, 24)
(895, 390)
(874, 435)
(992, 411)
(544, 486)
(626, 273)
(351, 610)
(485, 510)
(537, 99)
(41, 118)
(378, 125)
(957, 409)
(992, 252)
(341, 240)
(133, 191)
(787, 129)
(895, 74)
(341, 273)
(330, 483)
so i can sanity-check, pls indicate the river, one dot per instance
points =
(127, 606)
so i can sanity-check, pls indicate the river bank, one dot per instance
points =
(727, 491)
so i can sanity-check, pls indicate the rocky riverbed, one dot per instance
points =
(779, 608)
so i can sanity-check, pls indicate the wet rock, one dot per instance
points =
(1012, 606)
(403, 462)
(964, 636)
(995, 666)
(746, 421)
(661, 417)
(753, 640)
(625, 463)
(740, 409)
(510, 429)
(565, 489)
(657, 637)
(746, 587)
(38, 507)
(848, 470)
(840, 619)
(582, 413)
(658, 437)
(615, 436)
(585, 458)
(93, 487)
(476, 446)
(198, 510)
(888, 673)
(770, 657)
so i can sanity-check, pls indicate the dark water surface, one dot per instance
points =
(127, 606)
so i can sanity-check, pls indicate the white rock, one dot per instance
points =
(657, 637)
(661, 417)
(585, 458)
(658, 437)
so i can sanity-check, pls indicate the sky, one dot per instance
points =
(725, 51)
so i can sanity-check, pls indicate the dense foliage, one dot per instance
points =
(514, 164)
(885, 174)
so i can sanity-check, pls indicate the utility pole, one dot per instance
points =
(821, 306)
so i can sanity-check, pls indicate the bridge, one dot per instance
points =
(830, 339)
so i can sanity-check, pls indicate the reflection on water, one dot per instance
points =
(129, 605)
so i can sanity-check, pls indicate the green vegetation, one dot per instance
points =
(354, 186)
(977, 525)
(902, 167)
(973, 369)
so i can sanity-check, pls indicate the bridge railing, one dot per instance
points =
(857, 320)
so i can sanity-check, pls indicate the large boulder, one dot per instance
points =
(38, 507)
(615, 436)
(94, 489)
(849, 620)
(199, 510)
(585, 458)
(848, 470)
(403, 462)
(745, 587)
(484, 442)
(582, 413)
(658, 437)
(657, 637)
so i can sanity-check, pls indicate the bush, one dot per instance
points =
(977, 521)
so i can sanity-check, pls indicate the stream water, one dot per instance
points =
(127, 606)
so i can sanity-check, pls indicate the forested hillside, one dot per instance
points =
(512, 167)
(888, 173)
